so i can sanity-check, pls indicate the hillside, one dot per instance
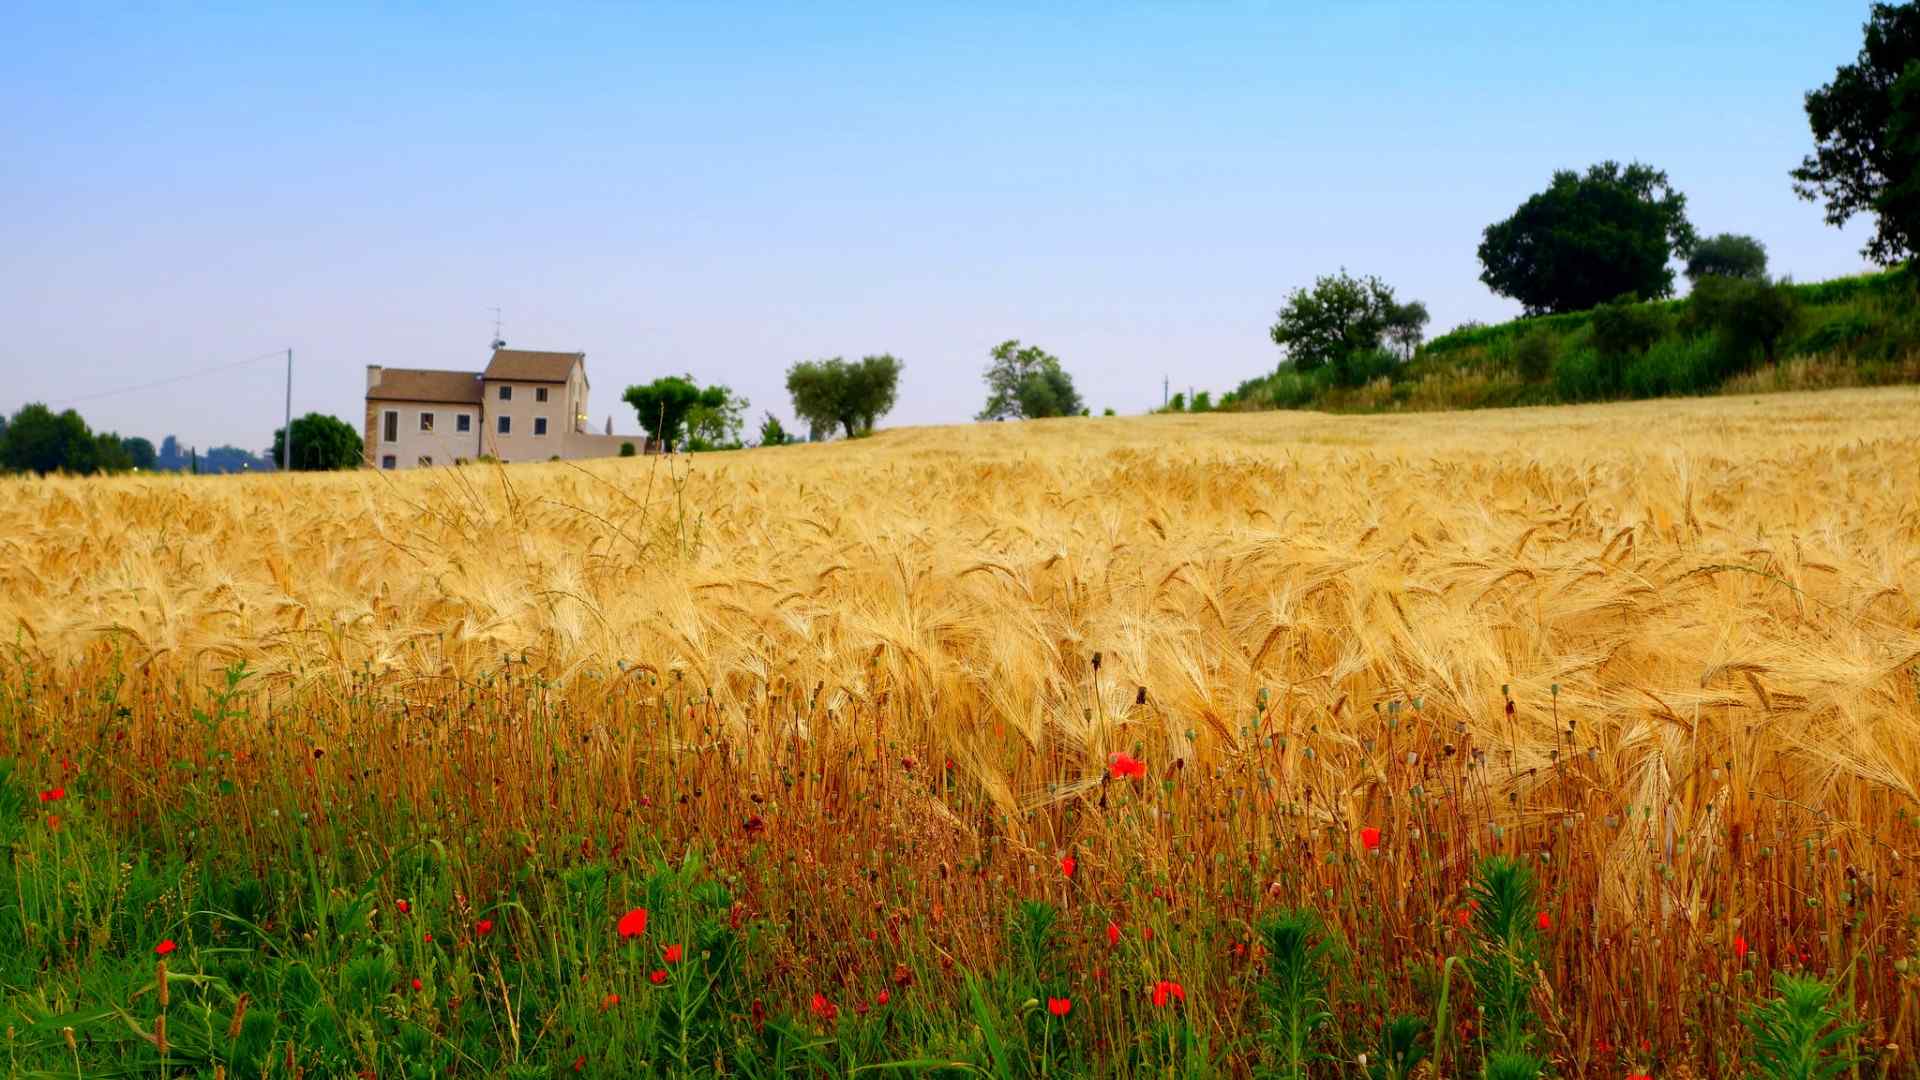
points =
(1854, 331)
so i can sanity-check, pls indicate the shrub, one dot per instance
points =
(1834, 332)
(1577, 376)
(1362, 366)
(626, 449)
(1533, 355)
(1293, 990)
(1676, 365)
(1801, 1034)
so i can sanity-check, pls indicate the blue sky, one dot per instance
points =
(725, 191)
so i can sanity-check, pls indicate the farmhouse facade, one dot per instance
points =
(526, 406)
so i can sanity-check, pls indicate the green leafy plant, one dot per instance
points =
(1802, 1033)
(1504, 898)
(1293, 991)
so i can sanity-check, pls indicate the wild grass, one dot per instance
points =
(837, 717)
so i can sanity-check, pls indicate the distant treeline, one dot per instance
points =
(36, 439)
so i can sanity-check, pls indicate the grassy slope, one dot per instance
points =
(1854, 331)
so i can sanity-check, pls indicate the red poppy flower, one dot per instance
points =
(633, 923)
(822, 1008)
(1113, 934)
(1545, 921)
(580, 1063)
(164, 947)
(1166, 990)
(1067, 864)
(659, 976)
(1059, 1006)
(1639, 1076)
(403, 906)
(1370, 838)
(53, 794)
(673, 954)
(1739, 947)
(427, 937)
(1123, 765)
(483, 927)
(417, 984)
(883, 998)
(1463, 916)
(1147, 933)
(609, 1002)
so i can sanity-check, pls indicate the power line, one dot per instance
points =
(274, 355)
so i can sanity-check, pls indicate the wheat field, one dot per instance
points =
(1669, 651)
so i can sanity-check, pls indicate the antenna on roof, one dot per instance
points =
(498, 341)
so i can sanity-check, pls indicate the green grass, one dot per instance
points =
(1861, 330)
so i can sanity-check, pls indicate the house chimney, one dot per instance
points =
(373, 376)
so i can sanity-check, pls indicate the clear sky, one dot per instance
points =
(725, 190)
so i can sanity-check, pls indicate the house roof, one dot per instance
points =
(419, 384)
(526, 365)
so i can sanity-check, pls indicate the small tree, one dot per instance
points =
(833, 393)
(1407, 327)
(1728, 255)
(320, 443)
(772, 432)
(715, 420)
(1340, 315)
(1027, 382)
(662, 406)
(1588, 238)
(1866, 136)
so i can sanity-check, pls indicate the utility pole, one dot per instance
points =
(286, 447)
(1163, 391)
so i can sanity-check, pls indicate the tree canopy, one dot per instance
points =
(853, 397)
(37, 439)
(1339, 316)
(1728, 255)
(1027, 382)
(715, 420)
(1588, 239)
(680, 413)
(1867, 138)
(321, 443)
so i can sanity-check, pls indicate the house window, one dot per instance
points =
(426, 421)
(463, 423)
(506, 425)
(425, 461)
(390, 428)
(506, 393)
(388, 462)
(539, 425)
(540, 394)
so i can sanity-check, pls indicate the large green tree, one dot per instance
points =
(1027, 383)
(1339, 316)
(42, 441)
(1588, 239)
(321, 443)
(1867, 138)
(834, 393)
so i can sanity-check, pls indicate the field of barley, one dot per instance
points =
(1271, 743)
